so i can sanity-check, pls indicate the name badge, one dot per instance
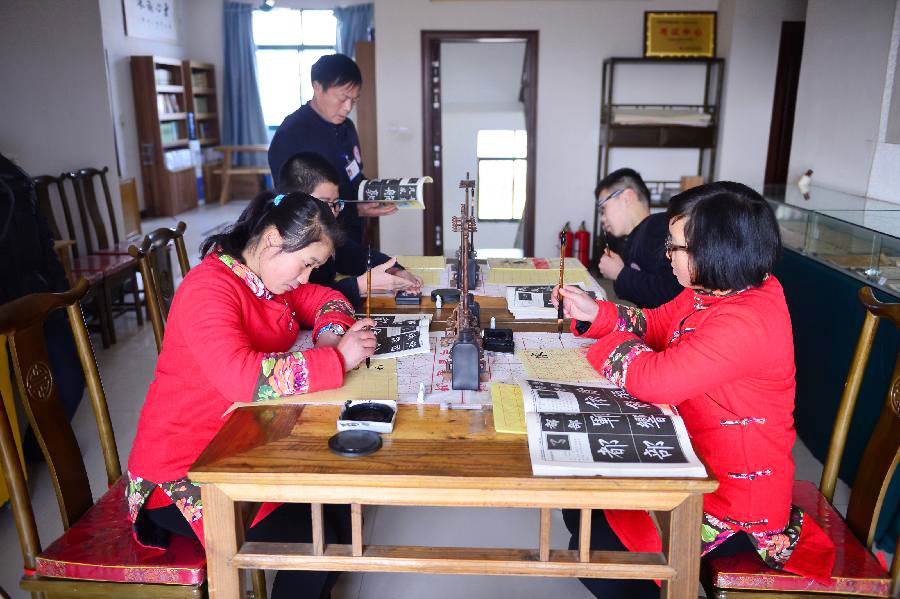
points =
(352, 169)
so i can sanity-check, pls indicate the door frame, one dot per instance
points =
(432, 144)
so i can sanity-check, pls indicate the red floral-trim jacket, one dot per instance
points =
(226, 340)
(727, 363)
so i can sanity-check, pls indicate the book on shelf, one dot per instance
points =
(168, 132)
(198, 80)
(596, 429)
(403, 193)
(201, 105)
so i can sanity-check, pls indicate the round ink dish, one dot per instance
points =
(369, 412)
(354, 443)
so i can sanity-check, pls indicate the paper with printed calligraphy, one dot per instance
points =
(595, 429)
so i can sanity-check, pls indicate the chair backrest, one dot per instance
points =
(21, 323)
(89, 206)
(42, 187)
(156, 270)
(882, 453)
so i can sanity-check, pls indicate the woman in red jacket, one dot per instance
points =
(722, 352)
(232, 323)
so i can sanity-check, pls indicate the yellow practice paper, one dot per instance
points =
(529, 263)
(516, 276)
(377, 382)
(438, 262)
(509, 409)
(429, 276)
(559, 364)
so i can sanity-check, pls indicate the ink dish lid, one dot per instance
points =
(355, 442)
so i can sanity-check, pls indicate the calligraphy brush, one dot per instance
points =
(562, 265)
(368, 290)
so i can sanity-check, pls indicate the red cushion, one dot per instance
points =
(108, 265)
(856, 571)
(100, 546)
(118, 249)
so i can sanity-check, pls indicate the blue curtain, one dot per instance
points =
(353, 24)
(242, 121)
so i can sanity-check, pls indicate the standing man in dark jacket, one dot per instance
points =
(322, 126)
(642, 274)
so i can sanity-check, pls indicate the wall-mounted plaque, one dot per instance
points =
(687, 34)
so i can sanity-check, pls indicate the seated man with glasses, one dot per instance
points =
(642, 274)
(310, 173)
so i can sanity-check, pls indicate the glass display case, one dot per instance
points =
(857, 235)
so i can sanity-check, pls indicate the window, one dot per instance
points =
(501, 173)
(288, 42)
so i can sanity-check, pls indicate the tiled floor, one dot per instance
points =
(126, 369)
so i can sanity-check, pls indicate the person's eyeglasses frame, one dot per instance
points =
(610, 196)
(672, 248)
(336, 206)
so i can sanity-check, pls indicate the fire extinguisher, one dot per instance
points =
(582, 243)
(567, 230)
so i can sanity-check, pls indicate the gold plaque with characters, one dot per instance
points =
(679, 34)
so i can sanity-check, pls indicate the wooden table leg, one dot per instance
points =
(226, 177)
(223, 533)
(681, 545)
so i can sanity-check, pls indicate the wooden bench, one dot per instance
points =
(228, 170)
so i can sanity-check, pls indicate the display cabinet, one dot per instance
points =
(856, 235)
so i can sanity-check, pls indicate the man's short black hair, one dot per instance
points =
(336, 70)
(304, 171)
(731, 234)
(624, 178)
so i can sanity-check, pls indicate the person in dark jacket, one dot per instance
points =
(642, 274)
(311, 173)
(322, 126)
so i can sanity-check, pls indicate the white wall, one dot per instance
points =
(839, 97)
(575, 36)
(56, 109)
(119, 48)
(751, 35)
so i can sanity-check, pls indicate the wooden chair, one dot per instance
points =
(122, 279)
(77, 266)
(96, 555)
(228, 169)
(856, 571)
(156, 270)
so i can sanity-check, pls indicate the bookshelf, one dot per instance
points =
(170, 95)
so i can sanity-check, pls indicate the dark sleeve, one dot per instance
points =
(350, 258)
(655, 283)
(349, 288)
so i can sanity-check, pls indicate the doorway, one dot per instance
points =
(787, 77)
(479, 118)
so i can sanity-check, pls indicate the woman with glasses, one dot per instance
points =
(311, 173)
(722, 352)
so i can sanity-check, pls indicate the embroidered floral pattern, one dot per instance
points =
(773, 547)
(186, 497)
(136, 493)
(616, 367)
(246, 275)
(183, 493)
(336, 305)
(282, 374)
(631, 320)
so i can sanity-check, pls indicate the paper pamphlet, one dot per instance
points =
(403, 193)
(589, 429)
(438, 262)
(509, 411)
(401, 335)
(533, 301)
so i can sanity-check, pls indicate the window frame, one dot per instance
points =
(295, 48)
(478, 182)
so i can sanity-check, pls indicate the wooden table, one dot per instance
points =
(433, 458)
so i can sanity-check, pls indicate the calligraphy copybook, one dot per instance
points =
(595, 429)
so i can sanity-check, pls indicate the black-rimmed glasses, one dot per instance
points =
(671, 247)
(611, 196)
(336, 206)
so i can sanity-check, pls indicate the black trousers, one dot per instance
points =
(603, 538)
(289, 523)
